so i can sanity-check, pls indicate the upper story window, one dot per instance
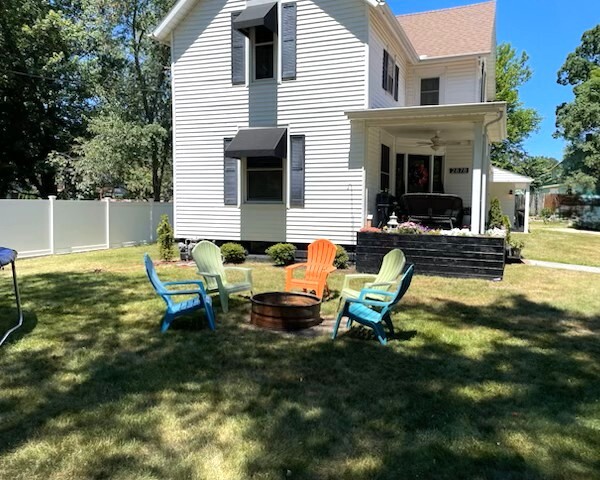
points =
(430, 91)
(263, 53)
(260, 32)
(391, 75)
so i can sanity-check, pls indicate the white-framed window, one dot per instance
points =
(430, 91)
(264, 180)
(264, 54)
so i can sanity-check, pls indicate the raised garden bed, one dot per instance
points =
(466, 257)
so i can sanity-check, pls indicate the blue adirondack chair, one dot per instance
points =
(372, 313)
(175, 309)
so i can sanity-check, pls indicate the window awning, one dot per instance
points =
(263, 15)
(259, 142)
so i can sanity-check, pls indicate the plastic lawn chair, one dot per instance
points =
(374, 313)
(319, 264)
(175, 309)
(209, 262)
(391, 270)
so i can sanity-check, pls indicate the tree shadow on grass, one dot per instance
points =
(106, 384)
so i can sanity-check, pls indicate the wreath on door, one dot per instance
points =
(420, 175)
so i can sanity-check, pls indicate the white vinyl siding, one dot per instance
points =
(459, 156)
(381, 39)
(458, 81)
(330, 80)
(331, 60)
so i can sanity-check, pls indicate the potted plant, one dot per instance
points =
(515, 246)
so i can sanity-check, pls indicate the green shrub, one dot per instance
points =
(166, 239)
(341, 257)
(546, 213)
(495, 219)
(233, 253)
(282, 253)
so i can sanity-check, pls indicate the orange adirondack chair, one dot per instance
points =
(321, 254)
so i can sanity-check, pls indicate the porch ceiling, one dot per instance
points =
(454, 121)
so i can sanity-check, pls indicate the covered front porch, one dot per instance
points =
(442, 149)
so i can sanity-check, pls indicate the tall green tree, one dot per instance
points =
(578, 121)
(43, 93)
(512, 72)
(129, 140)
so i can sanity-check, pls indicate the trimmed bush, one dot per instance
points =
(341, 257)
(495, 219)
(233, 253)
(589, 220)
(166, 239)
(282, 253)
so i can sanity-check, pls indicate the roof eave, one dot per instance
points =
(457, 56)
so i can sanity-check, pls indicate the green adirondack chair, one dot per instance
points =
(389, 273)
(209, 261)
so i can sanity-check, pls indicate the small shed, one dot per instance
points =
(513, 191)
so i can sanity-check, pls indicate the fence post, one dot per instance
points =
(151, 201)
(107, 221)
(51, 198)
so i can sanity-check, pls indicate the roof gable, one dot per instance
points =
(162, 33)
(452, 31)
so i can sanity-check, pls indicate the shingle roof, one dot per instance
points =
(452, 31)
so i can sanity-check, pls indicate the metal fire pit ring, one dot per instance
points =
(285, 311)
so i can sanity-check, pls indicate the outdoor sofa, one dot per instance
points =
(433, 209)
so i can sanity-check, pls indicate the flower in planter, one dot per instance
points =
(370, 229)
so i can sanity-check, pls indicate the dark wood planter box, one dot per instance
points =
(466, 257)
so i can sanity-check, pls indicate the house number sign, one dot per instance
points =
(459, 170)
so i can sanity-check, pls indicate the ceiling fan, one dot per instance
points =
(435, 142)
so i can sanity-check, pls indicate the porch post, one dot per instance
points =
(485, 170)
(476, 206)
(526, 219)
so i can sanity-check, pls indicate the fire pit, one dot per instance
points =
(285, 311)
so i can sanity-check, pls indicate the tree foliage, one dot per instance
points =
(512, 72)
(85, 97)
(578, 122)
(129, 141)
(43, 92)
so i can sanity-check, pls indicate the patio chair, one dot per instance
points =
(319, 264)
(175, 309)
(389, 273)
(209, 262)
(374, 313)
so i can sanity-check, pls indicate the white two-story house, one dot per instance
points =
(289, 117)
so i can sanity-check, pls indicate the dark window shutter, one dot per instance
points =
(396, 80)
(288, 43)
(385, 69)
(385, 167)
(238, 54)
(230, 176)
(297, 146)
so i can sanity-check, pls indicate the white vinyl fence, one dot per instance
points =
(45, 227)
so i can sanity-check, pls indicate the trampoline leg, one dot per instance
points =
(19, 309)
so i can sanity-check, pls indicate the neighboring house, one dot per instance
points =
(290, 117)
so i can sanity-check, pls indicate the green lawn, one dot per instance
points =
(485, 380)
(544, 242)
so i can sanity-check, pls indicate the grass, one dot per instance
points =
(484, 381)
(544, 242)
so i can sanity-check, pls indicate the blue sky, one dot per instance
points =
(548, 30)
